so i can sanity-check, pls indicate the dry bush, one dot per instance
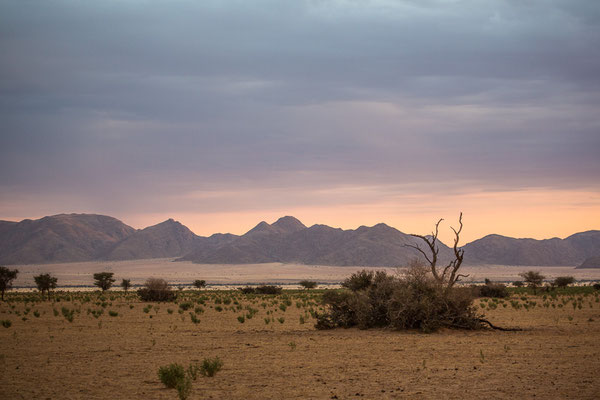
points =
(156, 289)
(491, 289)
(414, 300)
(267, 289)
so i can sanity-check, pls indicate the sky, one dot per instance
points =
(221, 114)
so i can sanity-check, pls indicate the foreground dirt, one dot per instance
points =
(556, 356)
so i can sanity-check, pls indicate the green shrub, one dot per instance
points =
(193, 370)
(210, 366)
(113, 313)
(496, 290)
(68, 314)
(184, 388)
(156, 290)
(413, 301)
(563, 281)
(268, 289)
(171, 374)
(306, 284)
(194, 318)
(359, 280)
(6, 323)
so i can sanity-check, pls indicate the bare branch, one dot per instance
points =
(420, 250)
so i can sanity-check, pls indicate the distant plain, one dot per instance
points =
(185, 272)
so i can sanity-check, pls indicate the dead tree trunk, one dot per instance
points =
(449, 275)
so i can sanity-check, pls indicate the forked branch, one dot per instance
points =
(449, 275)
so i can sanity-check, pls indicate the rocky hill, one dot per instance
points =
(288, 240)
(167, 239)
(591, 262)
(87, 237)
(60, 238)
(502, 250)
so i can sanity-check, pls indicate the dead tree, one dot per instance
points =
(449, 275)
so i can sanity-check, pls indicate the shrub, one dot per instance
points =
(563, 281)
(171, 374)
(184, 388)
(413, 301)
(194, 318)
(518, 284)
(113, 313)
(493, 290)
(246, 290)
(210, 366)
(596, 286)
(156, 290)
(359, 280)
(6, 323)
(308, 284)
(199, 283)
(193, 370)
(268, 289)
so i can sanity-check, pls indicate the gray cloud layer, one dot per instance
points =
(155, 97)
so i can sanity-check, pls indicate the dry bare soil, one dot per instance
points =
(46, 356)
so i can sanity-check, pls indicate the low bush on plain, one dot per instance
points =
(491, 289)
(210, 366)
(171, 374)
(412, 301)
(156, 290)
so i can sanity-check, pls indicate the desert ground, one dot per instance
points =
(80, 274)
(115, 344)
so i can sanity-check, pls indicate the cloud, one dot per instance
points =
(106, 103)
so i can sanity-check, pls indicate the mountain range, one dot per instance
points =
(88, 237)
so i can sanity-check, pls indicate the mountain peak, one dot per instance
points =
(288, 224)
(262, 227)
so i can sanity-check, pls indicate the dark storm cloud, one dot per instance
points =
(137, 96)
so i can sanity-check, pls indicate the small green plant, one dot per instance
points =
(6, 323)
(194, 318)
(113, 313)
(292, 345)
(171, 374)
(241, 319)
(68, 314)
(281, 320)
(193, 370)
(210, 366)
(184, 388)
